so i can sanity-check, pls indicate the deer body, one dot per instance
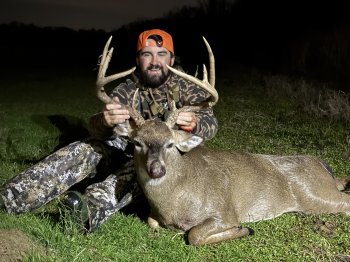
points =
(210, 192)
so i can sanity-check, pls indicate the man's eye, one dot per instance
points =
(145, 54)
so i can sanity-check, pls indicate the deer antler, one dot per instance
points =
(136, 116)
(174, 113)
(209, 86)
(102, 80)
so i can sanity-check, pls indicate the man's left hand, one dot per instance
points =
(187, 121)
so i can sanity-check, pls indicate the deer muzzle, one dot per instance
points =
(156, 169)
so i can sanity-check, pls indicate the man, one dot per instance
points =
(101, 167)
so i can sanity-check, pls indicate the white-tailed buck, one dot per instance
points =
(209, 192)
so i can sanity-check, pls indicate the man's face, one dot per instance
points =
(152, 61)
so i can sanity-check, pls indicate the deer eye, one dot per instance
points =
(169, 145)
(137, 144)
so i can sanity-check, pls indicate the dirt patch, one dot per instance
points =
(14, 245)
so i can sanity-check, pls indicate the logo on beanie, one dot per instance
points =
(152, 42)
(155, 37)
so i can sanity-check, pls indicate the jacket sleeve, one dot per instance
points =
(207, 124)
(97, 129)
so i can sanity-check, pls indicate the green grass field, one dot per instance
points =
(42, 110)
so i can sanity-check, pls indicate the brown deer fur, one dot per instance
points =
(210, 192)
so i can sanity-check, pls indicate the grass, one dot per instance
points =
(315, 98)
(42, 110)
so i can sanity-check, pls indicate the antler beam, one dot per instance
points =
(209, 86)
(102, 80)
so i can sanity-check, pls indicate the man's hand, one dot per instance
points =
(114, 113)
(187, 121)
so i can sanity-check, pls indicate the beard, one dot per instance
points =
(153, 80)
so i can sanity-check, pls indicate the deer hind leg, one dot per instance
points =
(213, 231)
(343, 183)
(343, 204)
(330, 202)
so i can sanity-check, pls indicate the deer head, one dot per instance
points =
(156, 141)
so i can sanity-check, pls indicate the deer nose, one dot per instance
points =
(156, 170)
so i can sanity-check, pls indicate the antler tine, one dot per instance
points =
(135, 115)
(174, 113)
(208, 86)
(211, 63)
(102, 80)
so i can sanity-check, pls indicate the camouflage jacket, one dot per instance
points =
(189, 94)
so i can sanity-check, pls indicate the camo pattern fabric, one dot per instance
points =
(52, 176)
(107, 197)
(189, 94)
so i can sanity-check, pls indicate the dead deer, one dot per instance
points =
(209, 192)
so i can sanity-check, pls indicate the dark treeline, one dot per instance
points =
(308, 38)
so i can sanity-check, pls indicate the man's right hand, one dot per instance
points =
(114, 113)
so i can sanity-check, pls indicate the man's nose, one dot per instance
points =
(154, 60)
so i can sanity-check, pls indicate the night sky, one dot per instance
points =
(85, 14)
(301, 36)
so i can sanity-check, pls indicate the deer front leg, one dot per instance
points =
(213, 231)
(152, 222)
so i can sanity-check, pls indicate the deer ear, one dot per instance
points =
(121, 129)
(186, 141)
(126, 129)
